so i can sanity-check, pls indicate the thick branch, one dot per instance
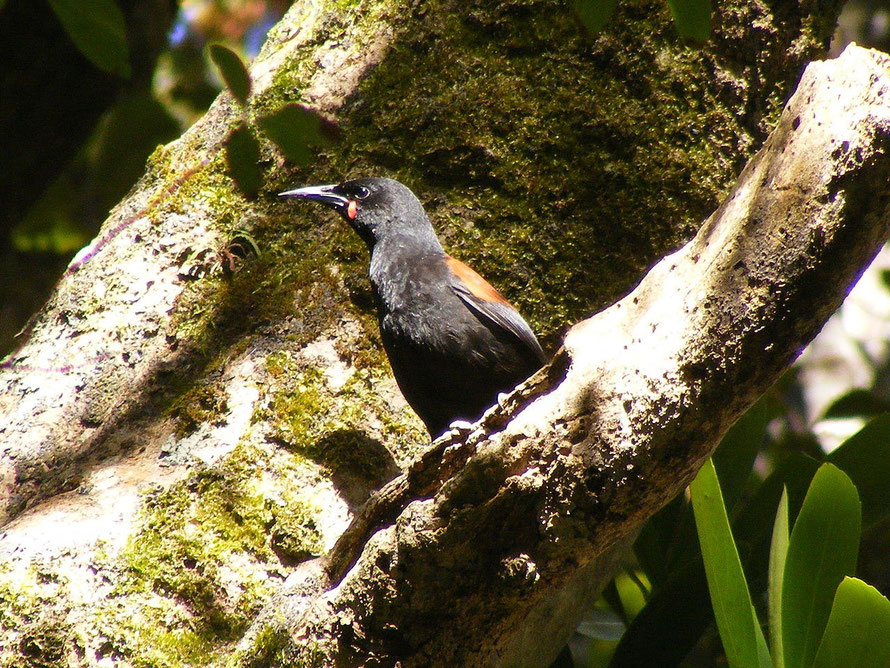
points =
(483, 530)
(221, 429)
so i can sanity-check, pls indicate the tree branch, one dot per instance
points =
(482, 530)
(220, 430)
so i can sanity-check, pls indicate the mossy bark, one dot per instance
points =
(203, 434)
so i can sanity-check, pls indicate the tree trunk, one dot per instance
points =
(177, 444)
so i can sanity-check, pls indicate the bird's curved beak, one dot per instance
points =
(324, 194)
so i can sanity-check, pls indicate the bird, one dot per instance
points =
(453, 342)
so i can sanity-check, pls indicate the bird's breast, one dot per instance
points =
(415, 302)
(406, 286)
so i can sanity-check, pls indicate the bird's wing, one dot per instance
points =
(485, 301)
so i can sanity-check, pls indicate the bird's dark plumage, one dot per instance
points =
(452, 340)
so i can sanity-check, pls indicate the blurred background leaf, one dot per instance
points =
(74, 137)
(692, 18)
(233, 71)
(594, 14)
(97, 28)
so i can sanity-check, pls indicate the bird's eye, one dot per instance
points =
(361, 192)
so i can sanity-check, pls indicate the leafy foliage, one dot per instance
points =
(691, 17)
(778, 553)
(794, 573)
(865, 457)
(98, 30)
(858, 628)
(736, 619)
(594, 14)
(821, 551)
(819, 616)
(233, 71)
(294, 128)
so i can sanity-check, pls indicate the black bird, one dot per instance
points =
(452, 340)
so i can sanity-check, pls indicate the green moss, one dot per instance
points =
(20, 602)
(201, 559)
(402, 431)
(559, 165)
(268, 648)
(33, 610)
(331, 427)
(351, 431)
(44, 645)
(160, 646)
(189, 531)
(290, 284)
(511, 204)
(211, 185)
(294, 536)
(301, 411)
(204, 403)
(279, 363)
(159, 160)
(346, 23)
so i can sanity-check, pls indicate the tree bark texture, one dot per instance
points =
(177, 443)
(492, 525)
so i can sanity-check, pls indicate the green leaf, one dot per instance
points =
(856, 403)
(294, 128)
(601, 623)
(865, 457)
(734, 457)
(98, 30)
(737, 623)
(822, 550)
(242, 156)
(692, 18)
(756, 517)
(232, 70)
(594, 14)
(678, 610)
(858, 630)
(777, 554)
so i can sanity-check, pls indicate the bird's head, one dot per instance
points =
(376, 208)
